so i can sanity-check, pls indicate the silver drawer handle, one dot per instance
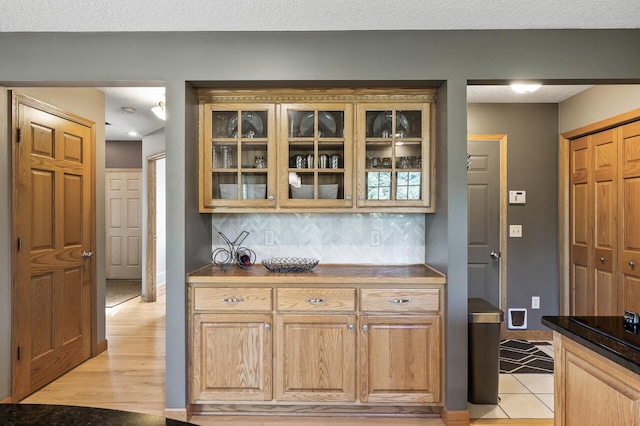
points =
(399, 300)
(232, 299)
(315, 301)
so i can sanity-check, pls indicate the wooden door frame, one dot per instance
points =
(502, 139)
(16, 100)
(150, 270)
(564, 237)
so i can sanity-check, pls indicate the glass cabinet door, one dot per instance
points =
(240, 157)
(316, 155)
(394, 155)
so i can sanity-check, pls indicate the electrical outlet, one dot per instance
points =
(535, 302)
(375, 238)
(515, 231)
(269, 237)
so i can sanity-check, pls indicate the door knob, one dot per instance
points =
(495, 255)
(87, 254)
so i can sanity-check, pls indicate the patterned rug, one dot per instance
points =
(119, 291)
(520, 356)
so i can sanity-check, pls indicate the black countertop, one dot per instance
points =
(607, 336)
(54, 415)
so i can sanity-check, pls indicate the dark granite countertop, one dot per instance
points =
(606, 336)
(55, 415)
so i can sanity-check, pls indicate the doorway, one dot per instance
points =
(487, 199)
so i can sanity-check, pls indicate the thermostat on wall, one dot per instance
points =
(517, 197)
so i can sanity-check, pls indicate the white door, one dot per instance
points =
(123, 205)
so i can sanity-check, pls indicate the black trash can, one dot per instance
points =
(484, 351)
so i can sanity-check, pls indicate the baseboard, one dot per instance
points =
(180, 414)
(7, 400)
(101, 347)
(455, 417)
(528, 334)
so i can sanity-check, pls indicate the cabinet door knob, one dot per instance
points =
(602, 259)
(631, 263)
(271, 197)
(267, 326)
(365, 327)
(361, 197)
(348, 198)
(350, 327)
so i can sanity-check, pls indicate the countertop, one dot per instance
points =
(604, 335)
(345, 274)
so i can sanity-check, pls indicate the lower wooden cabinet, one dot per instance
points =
(351, 346)
(231, 357)
(400, 358)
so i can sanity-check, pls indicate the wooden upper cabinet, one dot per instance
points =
(237, 156)
(395, 154)
(300, 150)
(316, 155)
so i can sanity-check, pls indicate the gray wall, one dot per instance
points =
(429, 57)
(532, 165)
(5, 244)
(123, 154)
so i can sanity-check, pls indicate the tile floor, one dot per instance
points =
(522, 396)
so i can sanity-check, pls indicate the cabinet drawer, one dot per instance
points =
(316, 299)
(397, 300)
(231, 299)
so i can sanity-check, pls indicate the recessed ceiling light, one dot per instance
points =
(128, 110)
(133, 133)
(525, 88)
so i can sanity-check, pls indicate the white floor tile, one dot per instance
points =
(546, 398)
(536, 383)
(547, 350)
(480, 411)
(524, 406)
(509, 384)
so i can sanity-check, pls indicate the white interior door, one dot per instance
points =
(124, 223)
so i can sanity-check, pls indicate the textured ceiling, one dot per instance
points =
(318, 15)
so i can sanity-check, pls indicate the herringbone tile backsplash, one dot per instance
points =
(332, 238)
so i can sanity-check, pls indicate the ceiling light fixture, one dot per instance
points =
(133, 133)
(128, 110)
(525, 88)
(159, 111)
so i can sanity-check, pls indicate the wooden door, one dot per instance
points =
(54, 228)
(400, 359)
(483, 193)
(581, 236)
(629, 215)
(316, 358)
(605, 190)
(231, 357)
(124, 224)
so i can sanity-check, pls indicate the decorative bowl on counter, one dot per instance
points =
(284, 265)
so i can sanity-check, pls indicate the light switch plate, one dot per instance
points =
(517, 197)
(515, 231)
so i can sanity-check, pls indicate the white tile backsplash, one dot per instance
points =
(332, 238)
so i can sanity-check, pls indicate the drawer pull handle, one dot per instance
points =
(232, 299)
(399, 301)
(315, 301)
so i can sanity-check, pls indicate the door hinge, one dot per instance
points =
(19, 244)
(19, 135)
(19, 353)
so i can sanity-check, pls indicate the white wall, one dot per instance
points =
(596, 104)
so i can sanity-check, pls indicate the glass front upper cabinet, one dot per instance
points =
(239, 156)
(394, 155)
(316, 155)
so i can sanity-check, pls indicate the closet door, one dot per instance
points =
(605, 189)
(582, 291)
(629, 214)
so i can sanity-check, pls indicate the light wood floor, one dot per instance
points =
(130, 376)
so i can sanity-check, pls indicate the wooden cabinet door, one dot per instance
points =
(629, 214)
(231, 357)
(316, 358)
(400, 359)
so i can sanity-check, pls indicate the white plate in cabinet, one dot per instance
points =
(316, 299)
(231, 299)
(400, 300)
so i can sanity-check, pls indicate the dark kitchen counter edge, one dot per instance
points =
(609, 348)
